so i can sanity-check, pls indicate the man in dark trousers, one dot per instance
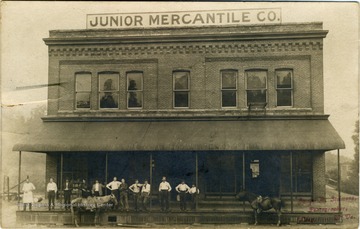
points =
(164, 189)
(135, 188)
(68, 186)
(124, 200)
(182, 189)
(51, 189)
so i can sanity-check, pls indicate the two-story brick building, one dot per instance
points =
(226, 107)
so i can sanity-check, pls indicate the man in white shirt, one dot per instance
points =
(28, 197)
(97, 188)
(51, 190)
(114, 187)
(194, 192)
(135, 188)
(182, 189)
(145, 194)
(164, 189)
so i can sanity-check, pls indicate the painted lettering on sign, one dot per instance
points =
(181, 19)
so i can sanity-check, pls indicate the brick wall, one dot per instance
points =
(319, 182)
(204, 61)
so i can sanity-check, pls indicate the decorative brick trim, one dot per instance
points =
(186, 49)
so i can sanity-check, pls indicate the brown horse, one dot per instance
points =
(259, 204)
(92, 204)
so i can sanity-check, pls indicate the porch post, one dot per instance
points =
(106, 171)
(151, 175)
(197, 177)
(339, 179)
(61, 176)
(291, 182)
(19, 180)
(243, 177)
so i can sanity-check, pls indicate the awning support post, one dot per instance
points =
(291, 182)
(61, 174)
(151, 175)
(339, 179)
(19, 180)
(243, 177)
(106, 171)
(197, 178)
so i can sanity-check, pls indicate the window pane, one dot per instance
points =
(181, 99)
(284, 97)
(109, 82)
(83, 100)
(228, 80)
(256, 79)
(83, 82)
(108, 100)
(134, 99)
(135, 81)
(283, 78)
(229, 98)
(256, 96)
(181, 80)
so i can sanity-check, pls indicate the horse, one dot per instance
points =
(92, 204)
(259, 204)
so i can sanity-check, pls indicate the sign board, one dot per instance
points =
(183, 19)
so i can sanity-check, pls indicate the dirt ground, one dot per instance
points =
(350, 208)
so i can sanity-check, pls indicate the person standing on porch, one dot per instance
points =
(85, 190)
(28, 197)
(97, 188)
(124, 200)
(135, 188)
(113, 186)
(182, 189)
(51, 190)
(194, 192)
(164, 189)
(145, 194)
(68, 186)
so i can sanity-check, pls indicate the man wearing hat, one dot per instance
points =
(164, 189)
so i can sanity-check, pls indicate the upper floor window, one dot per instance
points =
(284, 87)
(256, 86)
(228, 88)
(134, 89)
(181, 88)
(109, 90)
(83, 90)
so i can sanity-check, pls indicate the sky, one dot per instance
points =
(24, 57)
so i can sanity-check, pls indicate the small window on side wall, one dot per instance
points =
(228, 88)
(284, 87)
(181, 89)
(134, 89)
(109, 90)
(256, 86)
(83, 90)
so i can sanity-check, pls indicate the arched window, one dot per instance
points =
(82, 90)
(134, 89)
(256, 86)
(181, 87)
(284, 87)
(229, 88)
(109, 90)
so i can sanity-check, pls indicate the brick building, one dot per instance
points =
(226, 107)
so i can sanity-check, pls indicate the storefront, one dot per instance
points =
(226, 107)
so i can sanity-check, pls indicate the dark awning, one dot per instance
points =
(184, 136)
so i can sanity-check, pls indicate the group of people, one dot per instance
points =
(140, 193)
